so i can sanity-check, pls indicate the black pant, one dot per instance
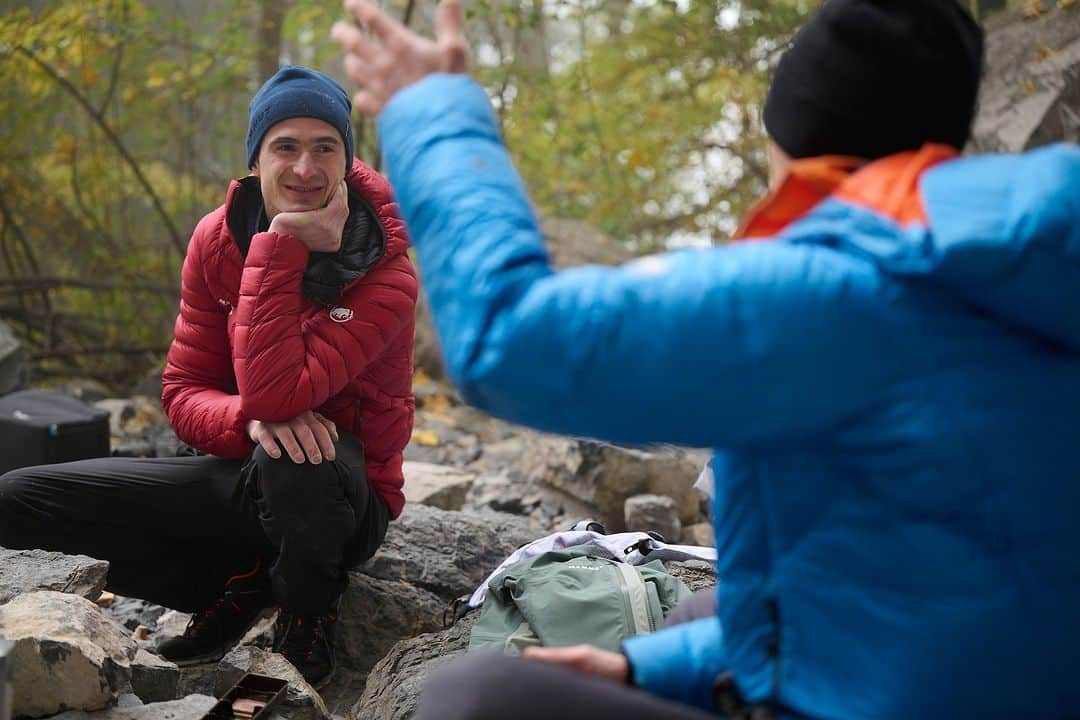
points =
(490, 686)
(174, 530)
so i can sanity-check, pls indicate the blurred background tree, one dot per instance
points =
(124, 120)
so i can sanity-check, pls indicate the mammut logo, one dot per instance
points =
(341, 314)
(225, 304)
(571, 566)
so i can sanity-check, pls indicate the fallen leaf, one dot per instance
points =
(428, 438)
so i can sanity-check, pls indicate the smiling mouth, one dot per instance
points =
(304, 189)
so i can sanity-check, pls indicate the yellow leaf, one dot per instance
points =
(1043, 52)
(1029, 87)
(88, 74)
(154, 81)
(438, 405)
(429, 438)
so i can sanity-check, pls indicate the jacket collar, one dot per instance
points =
(363, 241)
(888, 185)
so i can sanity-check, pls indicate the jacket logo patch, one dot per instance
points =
(341, 314)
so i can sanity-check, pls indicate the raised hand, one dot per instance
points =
(394, 56)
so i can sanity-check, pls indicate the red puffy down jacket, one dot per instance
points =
(248, 345)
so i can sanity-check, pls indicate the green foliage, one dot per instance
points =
(125, 119)
(652, 131)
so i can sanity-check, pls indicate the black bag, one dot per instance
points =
(39, 427)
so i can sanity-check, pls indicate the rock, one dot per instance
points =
(192, 707)
(87, 390)
(25, 571)
(698, 534)
(137, 415)
(301, 701)
(13, 364)
(653, 512)
(436, 485)
(498, 493)
(1030, 93)
(133, 612)
(197, 679)
(394, 684)
(429, 557)
(153, 679)
(447, 553)
(603, 476)
(375, 614)
(697, 574)
(67, 654)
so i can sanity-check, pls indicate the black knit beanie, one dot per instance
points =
(296, 91)
(873, 77)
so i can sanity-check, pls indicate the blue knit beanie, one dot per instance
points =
(293, 92)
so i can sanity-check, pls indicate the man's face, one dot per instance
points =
(301, 161)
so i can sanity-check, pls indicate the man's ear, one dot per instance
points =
(254, 169)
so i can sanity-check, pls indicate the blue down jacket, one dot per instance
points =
(894, 407)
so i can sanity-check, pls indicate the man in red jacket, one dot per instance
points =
(290, 374)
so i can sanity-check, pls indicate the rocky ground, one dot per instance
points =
(477, 489)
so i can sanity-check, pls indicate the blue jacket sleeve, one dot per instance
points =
(681, 662)
(711, 347)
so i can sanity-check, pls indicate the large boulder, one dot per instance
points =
(429, 558)
(439, 486)
(67, 654)
(656, 513)
(13, 365)
(394, 684)
(1030, 93)
(603, 476)
(25, 571)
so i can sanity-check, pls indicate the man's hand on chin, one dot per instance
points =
(320, 230)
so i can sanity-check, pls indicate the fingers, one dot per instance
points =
(450, 35)
(322, 436)
(352, 40)
(379, 23)
(264, 438)
(328, 424)
(285, 436)
(449, 22)
(305, 435)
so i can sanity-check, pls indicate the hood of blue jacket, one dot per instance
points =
(1003, 233)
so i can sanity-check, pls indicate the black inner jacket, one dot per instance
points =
(363, 242)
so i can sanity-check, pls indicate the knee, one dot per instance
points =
(291, 488)
(462, 689)
(15, 487)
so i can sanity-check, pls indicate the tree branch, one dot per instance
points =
(18, 284)
(174, 235)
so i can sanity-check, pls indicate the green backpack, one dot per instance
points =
(571, 596)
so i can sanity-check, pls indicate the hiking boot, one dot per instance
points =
(307, 641)
(210, 633)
